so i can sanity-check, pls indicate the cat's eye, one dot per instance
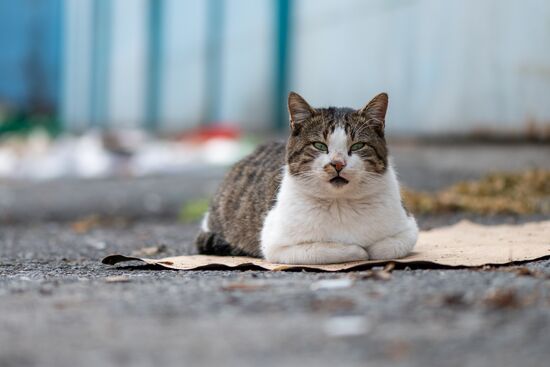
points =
(320, 146)
(356, 146)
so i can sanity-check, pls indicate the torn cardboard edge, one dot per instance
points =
(464, 244)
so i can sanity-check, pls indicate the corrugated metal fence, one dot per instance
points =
(449, 66)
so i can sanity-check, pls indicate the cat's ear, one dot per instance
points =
(375, 111)
(298, 109)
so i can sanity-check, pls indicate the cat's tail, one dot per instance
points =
(211, 243)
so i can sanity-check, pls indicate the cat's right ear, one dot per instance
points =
(298, 109)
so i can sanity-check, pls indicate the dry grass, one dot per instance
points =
(525, 192)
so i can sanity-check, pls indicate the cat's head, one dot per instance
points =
(337, 151)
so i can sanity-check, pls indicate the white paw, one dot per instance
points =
(316, 253)
(388, 249)
(396, 246)
(356, 253)
(381, 251)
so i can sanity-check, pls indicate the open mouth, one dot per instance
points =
(338, 181)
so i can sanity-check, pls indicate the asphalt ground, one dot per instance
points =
(59, 306)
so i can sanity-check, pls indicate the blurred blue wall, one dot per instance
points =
(449, 66)
(453, 66)
(30, 56)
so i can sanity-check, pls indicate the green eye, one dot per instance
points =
(320, 146)
(356, 146)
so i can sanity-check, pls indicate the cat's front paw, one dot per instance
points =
(315, 253)
(389, 248)
(355, 253)
(381, 251)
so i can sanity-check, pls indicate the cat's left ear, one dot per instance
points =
(375, 111)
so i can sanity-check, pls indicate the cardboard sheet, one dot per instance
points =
(464, 244)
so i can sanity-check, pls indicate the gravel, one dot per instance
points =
(60, 307)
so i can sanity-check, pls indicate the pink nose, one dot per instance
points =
(338, 165)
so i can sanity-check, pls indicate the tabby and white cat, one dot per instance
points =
(329, 195)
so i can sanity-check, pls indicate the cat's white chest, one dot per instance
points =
(302, 228)
(335, 221)
(298, 218)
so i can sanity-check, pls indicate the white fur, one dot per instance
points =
(204, 223)
(314, 222)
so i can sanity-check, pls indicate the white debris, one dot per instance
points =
(95, 154)
(332, 284)
(342, 326)
(8, 162)
(220, 151)
(95, 243)
(90, 157)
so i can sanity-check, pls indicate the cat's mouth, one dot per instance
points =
(338, 181)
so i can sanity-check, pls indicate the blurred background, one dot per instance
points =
(149, 88)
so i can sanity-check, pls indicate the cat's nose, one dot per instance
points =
(338, 165)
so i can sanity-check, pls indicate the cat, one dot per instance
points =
(329, 195)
